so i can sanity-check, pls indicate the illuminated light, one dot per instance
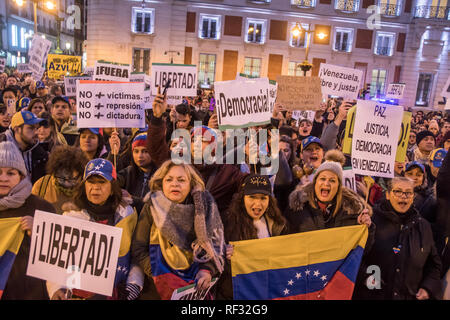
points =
(296, 33)
(19, 3)
(257, 30)
(321, 36)
(50, 5)
(250, 29)
(43, 36)
(68, 45)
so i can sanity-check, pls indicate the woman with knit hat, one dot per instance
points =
(16, 201)
(99, 199)
(179, 238)
(326, 203)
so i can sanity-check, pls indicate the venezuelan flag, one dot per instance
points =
(11, 236)
(128, 224)
(317, 265)
(172, 267)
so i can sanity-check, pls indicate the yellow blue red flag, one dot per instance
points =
(11, 236)
(316, 265)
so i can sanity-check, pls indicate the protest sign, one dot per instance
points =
(183, 80)
(375, 138)
(59, 65)
(304, 114)
(191, 293)
(340, 81)
(11, 106)
(349, 179)
(447, 104)
(23, 68)
(110, 71)
(273, 87)
(110, 104)
(395, 91)
(70, 84)
(37, 55)
(299, 93)
(242, 103)
(446, 90)
(2, 64)
(74, 253)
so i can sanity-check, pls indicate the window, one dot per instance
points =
(13, 61)
(384, 44)
(390, 7)
(252, 67)
(304, 3)
(300, 40)
(259, 1)
(347, 5)
(424, 86)
(433, 9)
(378, 83)
(209, 27)
(206, 69)
(294, 69)
(142, 20)
(14, 40)
(256, 31)
(343, 39)
(141, 60)
(23, 42)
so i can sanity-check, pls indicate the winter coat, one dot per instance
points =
(35, 157)
(442, 226)
(46, 188)
(405, 253)
(20, 286)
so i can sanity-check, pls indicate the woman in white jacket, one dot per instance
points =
(99, 199)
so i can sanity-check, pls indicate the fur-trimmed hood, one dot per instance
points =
(352, 203)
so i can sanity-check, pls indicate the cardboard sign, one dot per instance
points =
(37, 55)
(395, 91)
(349, 179)
(299, 93)
(242, 103)
(59, 65)
(110, 104)
(2, 64)
(23, 68)
(183, 81)
(340, 81)
(74, 253)
(375, 138)
(191, 293)
(70, 84)
(446, 90)
(109, 71)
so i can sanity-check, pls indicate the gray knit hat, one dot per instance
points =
(332, 166)
(10, 157)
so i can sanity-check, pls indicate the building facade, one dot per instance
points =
(391, 41)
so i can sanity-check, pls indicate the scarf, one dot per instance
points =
(17, 196)
(195, 227)
(69, 192)
(102, 212)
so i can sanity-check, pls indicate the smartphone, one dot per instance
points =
(166, 87)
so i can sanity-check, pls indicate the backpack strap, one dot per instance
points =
(44, 186)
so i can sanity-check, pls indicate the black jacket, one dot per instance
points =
(442, 226)
(402, 273)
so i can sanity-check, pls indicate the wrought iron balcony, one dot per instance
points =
(304, 3)
(391, 10)
(432, 12)
(347, 5)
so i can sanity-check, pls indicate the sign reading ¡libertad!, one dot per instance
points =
(340, 81)
(74, 252)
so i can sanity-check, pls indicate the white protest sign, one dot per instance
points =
(340, 81)
(2, 64)
(395, 91)
(242, 103)
(191, 293)
(110, 104)
(183, 81)
(349, 179)
(446, 90)
(89, 71)
(70, 84)
(273, 87)
(375, 138)
(303, 114)
(109, 71)
(74, 253)
(447, 104)
(37, 55)
(23, 68)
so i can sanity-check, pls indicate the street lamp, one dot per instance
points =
(296, 31)
(50, 5)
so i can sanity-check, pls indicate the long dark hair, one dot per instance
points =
(239, 225)
(101, 144)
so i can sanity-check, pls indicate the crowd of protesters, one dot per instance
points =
(193, 211)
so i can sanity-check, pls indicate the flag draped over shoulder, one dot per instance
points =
(128, 224)
(11, 236)
(316, 265)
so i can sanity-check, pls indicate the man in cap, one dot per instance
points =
(23, 133)
(65, 128)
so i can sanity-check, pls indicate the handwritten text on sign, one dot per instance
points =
(110, 104)
(61, 244)
(375, 138)
(340, 81)
(299, 93)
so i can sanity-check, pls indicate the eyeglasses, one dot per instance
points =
(399, 193)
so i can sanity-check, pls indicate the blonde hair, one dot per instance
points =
(338, 196)
(195, 180)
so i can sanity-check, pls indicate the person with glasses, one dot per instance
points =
(65, 168)
(404, 251)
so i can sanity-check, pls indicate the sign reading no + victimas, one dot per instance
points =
(110, 104)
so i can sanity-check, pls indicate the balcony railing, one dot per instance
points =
(392, 10)
(431, 12)
(347, 5)
(383, 51)
(304, 3)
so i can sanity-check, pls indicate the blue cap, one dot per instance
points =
(411, 165)
(24, 117)
(100, 167)
(40, 85)
(24, 102)
(437, 156)
(93, 130)
(311, 139)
